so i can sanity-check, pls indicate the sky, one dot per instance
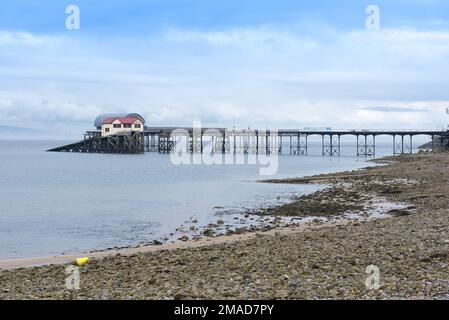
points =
(248, 63)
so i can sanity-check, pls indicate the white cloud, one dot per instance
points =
(23, 38)
(33, 112)
(264, 76)
(264, 35)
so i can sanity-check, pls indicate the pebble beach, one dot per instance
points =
(325, 259)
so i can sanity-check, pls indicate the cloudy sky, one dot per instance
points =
(257, 63)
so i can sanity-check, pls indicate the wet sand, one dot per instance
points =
(320, 259)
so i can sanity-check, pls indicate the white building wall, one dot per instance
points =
(108, 129)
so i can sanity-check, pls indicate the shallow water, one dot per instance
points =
(53, 203)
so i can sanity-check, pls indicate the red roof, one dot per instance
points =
(129, 120)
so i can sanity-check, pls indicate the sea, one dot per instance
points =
(64, 203)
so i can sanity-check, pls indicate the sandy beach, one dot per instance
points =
(317, 260)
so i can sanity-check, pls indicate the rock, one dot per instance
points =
(399, 212)
(391, 191)
(208, 232)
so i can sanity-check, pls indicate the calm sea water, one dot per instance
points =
(53, 203)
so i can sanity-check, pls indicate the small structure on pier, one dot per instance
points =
(102, 117)
(114, 133)
(114, 125)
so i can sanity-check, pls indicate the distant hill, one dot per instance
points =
(16, 129)
(436, 143)
(10, 132)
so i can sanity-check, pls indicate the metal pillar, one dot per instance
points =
(279, 137)
(223, 143)
(257, 142)
(201, 142)
(331, 145)
(303, 144)
(322, 145)
(366, 145)
(267, 147)
(433, 143)
(401, 147)
(291, 146)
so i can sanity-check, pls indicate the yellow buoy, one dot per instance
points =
(81, 261)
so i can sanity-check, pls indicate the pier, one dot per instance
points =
(248, 141)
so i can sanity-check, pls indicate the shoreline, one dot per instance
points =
(11, 264)
(321, 261)
(240, 234)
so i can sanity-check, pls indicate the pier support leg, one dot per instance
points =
(399, 146)
(223, 143)
(280, 145)
(322, 146)
(298, 144)
(291, 146)
(402, 144)
(331, 145)
(267, 147)
(394, 144)
(303, 145)
(336, 145)
(235, 143)
(257, 142)
(366, 145)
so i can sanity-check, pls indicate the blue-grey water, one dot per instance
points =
(54, 203)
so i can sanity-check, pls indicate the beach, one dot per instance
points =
(408, 244)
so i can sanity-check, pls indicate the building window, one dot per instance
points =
(137, 126)
(106, 129)
(117, 125)
(127, 125)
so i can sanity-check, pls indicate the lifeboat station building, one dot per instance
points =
(110, 124)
